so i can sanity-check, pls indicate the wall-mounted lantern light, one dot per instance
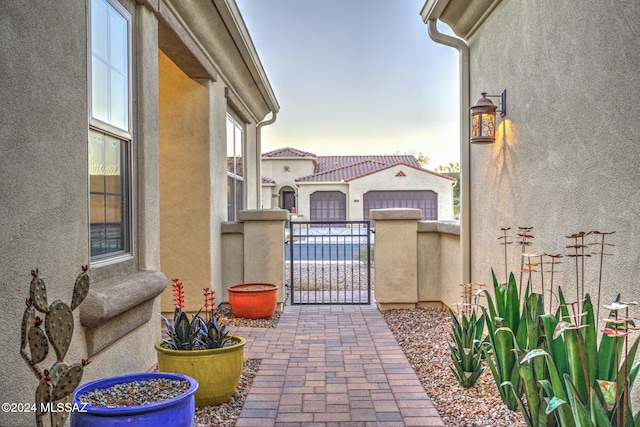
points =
(483, 118)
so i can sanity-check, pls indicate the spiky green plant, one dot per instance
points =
(504, 336)
(57, 384)
(199, 333)
(466, 353)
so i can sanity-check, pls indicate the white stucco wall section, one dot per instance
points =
(388, 180)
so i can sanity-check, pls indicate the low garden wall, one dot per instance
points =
(417, 263)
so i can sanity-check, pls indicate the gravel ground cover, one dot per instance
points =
(135, 393)
(227, 414)
(423, 334)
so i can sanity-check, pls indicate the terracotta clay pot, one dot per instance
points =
(253, 300)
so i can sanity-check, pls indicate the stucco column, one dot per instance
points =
(147, 141)
(264, 246)
(396, 244)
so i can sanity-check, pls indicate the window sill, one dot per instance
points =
(116, 306)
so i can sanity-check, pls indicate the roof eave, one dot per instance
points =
(237, 28)
(463, 16)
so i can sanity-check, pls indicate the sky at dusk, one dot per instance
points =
(356, 77)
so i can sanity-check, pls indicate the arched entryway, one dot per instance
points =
(288, 199)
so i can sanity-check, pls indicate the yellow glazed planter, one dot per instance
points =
(217, 370)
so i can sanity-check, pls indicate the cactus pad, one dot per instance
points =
(59, 326)
(38, 293)
(38, 345)
(43, 395)
(57, 370)
(27, 320)
(80, 289)
(67, 381)
(58, 419)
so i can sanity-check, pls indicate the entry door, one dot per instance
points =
(288, 200)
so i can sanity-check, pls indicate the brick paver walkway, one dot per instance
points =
(332, 366)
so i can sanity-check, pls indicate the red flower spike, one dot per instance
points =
(178, 294)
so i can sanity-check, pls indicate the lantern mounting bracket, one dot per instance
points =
(502, 106)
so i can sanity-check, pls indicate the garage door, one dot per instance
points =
(425, 200)
(328, 206)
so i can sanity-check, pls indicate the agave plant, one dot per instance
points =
(504, 336)
(466, 354)
(199, 333)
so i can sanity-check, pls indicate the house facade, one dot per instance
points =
(565, 155)
(332, 188)
(131, 133)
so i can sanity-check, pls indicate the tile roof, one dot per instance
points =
(333, 162)
(288, 152)
(347, 168)
(267, 180)
(358, 170)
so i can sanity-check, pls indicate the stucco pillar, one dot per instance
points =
(396, 244)
(264, 246)
(147, 140)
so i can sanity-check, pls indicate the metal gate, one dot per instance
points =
(329, 262)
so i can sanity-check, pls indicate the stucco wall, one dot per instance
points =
(438, 262)
(43, 185)
(184, 175)
(567, 155)
(386, 180)
(43, 208)
(298, 167)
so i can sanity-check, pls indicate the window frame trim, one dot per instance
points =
(235, 118)
(97, 125)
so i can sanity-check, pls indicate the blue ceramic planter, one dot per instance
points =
(176, 412)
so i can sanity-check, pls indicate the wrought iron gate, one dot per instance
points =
(329, 262)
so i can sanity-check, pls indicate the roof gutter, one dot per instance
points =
(259, 126)
(430, 14)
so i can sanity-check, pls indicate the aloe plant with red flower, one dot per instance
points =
(199, 333)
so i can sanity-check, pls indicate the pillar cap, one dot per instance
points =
(263, 215)
(395, 214)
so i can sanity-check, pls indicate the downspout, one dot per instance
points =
(465, 157)
(259, 126)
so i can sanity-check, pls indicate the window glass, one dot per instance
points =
(109, 65)
(109, 194)
(235, 185)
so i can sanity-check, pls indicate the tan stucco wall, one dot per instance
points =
(567, 158)
(43, 208)
(184, 175)
(396, 256)
(232, 257)
(450, 290)
(43, 184)
(438, 262)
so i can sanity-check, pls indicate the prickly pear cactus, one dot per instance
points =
(58, 383)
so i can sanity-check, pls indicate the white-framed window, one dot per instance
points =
(235, 167)
(109, 139)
